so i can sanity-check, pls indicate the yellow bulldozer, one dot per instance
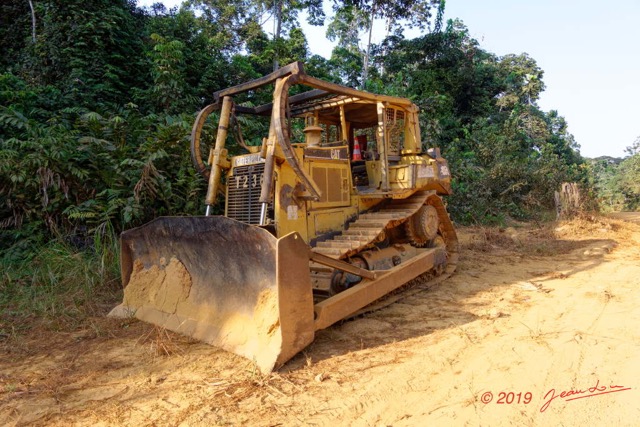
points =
(337, 208)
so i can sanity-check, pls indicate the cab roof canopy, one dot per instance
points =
(325, 97)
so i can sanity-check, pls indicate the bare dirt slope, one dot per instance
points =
(540, 326)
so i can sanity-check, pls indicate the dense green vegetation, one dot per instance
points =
(97, 98)
(616, 182)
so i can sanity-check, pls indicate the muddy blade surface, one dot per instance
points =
(221, 281)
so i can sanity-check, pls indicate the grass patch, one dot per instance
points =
(542, 239)
(59, 284)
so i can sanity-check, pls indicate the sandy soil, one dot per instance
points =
(539, 326)
(626, 216)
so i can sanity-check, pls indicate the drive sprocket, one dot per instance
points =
(422, 227)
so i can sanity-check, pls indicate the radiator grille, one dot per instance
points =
(243, 192)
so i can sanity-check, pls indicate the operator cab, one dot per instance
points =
(357, 127)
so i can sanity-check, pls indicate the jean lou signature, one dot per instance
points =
(574, 394)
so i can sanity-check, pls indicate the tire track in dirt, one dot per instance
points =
(524, 313)
(560, 357)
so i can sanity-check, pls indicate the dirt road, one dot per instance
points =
(626, 216)
(538, 327)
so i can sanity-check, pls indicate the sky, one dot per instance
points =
(589, 51)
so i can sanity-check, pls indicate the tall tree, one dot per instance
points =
(395, 14)
(523, 78)
(240, 21)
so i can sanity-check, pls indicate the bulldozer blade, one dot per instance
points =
(223, 282)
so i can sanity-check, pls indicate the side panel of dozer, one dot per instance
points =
(221, 281)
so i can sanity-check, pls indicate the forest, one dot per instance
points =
(97, 100)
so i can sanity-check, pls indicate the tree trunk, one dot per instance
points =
(568, 200)
(33, 22)
(387, 31)
(365, 72)
(276, 37)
